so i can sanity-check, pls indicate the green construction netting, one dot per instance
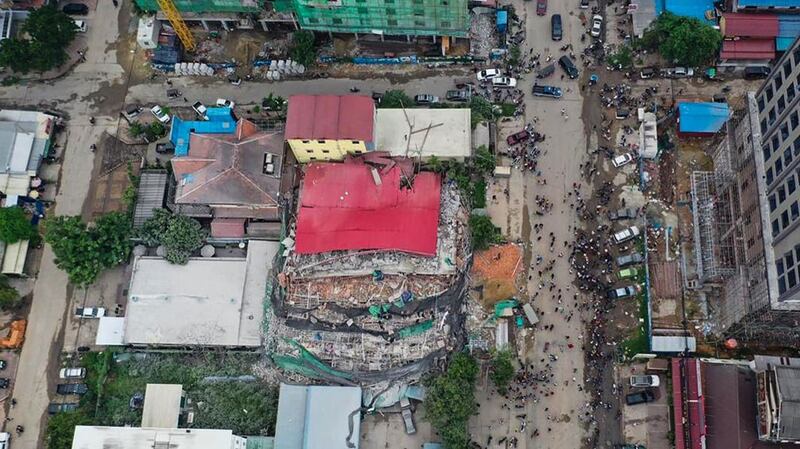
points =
(502, 305)
(416, 329)
(306, 363)
(206, 5)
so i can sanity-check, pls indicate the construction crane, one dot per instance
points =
(175, 19)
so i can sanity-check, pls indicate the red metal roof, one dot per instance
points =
(688, 406)
(231, 228)
(341, 208)
(321, 117)
(748, 49)
(749, 25)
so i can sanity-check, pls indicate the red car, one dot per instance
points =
(519, 137)
(541, 7)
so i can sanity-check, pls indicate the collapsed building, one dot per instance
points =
(371, 281)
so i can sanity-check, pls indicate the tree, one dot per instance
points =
(85, 251)
(484, 161)
(49, 31)
(434, 164)
(15, 225)
(622, 59)
(481, 110)
(180, 235)
(395, 99)
(9, 296)
(682, 40)
(484, 233)
(303, 49)
(450, 400)
(502, 370)
(61, 428)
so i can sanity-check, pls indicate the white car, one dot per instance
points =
(504, 81)
(80, 25)
(72, 373)
(597, 25)
(224, 103)
(626, 234)
(645, 381)
(488, 74)
(622, 159)
(160, 114)
(5, 440)
(90, 312)
(200, 109)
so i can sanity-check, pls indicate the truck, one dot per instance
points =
(546, 91)
(460, 95)
(626, 234)
(408, 416)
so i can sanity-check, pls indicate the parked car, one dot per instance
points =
(58, 408)
(647, 73)
(622, 159)
(3, 364)
(408, 416)
(90, 312)
(622, 292)
(75, 9)
(518, 137)
(224, 103)
(4, 383)
(568, 66)
(72, 373)
(556, 30)
(597, 25)
(678, 72)
(626, 234)
(200, 109)
(425, 99)
(5, 440)
(132, 111)
(488, 74)
(584, 4)
(80, 25)
(622, 214)
(546, 91)
(756, 72)
(160, 114)
(627, 273)
(645, 381)
(640, 397)
(541, 7)
(72, 389)
(460, 95)
(629, 259)
(629, 446)
(504, 81)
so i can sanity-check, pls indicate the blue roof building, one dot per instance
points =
(701, 119)
(768, 4)
(788, 30)
(688, 8)
(220, 121)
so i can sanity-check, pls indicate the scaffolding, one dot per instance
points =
(713, 261)
(205, 6)
(400, 17)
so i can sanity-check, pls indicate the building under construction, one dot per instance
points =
(373, 275)
(746, 218)
(382, 17)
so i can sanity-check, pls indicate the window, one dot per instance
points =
(775, 143)
(778, 81)
(781, 195)
(797, 146)
(772, 203)
(355, 142)
(790, 92)
(789, 260)
(306, 141)
(782, 286)
(326, 151)
(767, 152)
(785, 219)
(785, 131)
(772, 116)
(310, 151)
(312, 158)
(787, 68)
(778, 166)
(781, 104)
(321, 141)
(795, 210)
(760, 104)
(769, 176)
(779, 266)
(770, 93)
(791, 278)
(776, 228)
(787, 156)
(791, 185)
(797, 56)
(793, 118)
(763, 126)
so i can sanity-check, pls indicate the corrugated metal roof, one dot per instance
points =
(788, 30)
(311, 417)
(749, 25)
(324, 117)
(702, 117)
(687, 8)
(150, 195)
(220, 121)
(748, 49)
(769, 3)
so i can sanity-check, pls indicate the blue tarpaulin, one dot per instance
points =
(702, 118)
(502, 20)
(688, 8)
(788, 30)
(769, 3)
(220, 121)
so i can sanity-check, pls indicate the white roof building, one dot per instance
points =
(162, 405)
(648, 136)
(444, 133)
(102, 437)
(24, 140)
(207, 302)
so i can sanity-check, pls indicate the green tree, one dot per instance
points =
(622, 59)
(135, 130)
(450, 400)
(682, 40)
(85, 251)
(49, 31)
(61, 428)
(484, 161)
(484, 233)
(9, 296)
(435, 164)
(481, 110)
(180, 235)
(396, 99)
(15, 225)
(502, 370)
(303, 49)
